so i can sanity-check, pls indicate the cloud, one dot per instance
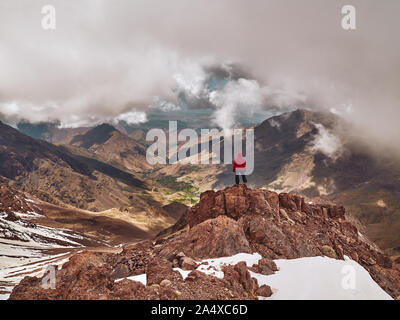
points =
(326, 142)
(131, 117)
(241, 94)
(231, 92)
(112, 58)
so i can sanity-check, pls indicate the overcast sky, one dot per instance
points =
(111, 59)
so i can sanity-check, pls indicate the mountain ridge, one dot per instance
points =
(55, 174)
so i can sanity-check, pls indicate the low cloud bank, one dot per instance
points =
(112, 61)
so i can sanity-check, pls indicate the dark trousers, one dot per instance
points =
(238, 179)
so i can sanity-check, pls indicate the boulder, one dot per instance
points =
(264, 291)
(121, 271)
(188, 263)
(165, 283)
(265, 266)
(328, 251)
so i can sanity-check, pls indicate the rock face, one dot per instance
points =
(233, 202)
(239, 201)
(219, 237)
(187, 263)
(224, 223)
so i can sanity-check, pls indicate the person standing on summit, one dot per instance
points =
(239, 167)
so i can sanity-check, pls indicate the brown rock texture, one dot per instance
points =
(248, 283)
(219, 237)
(233, 202)
(224, 223)
(87, 276)
(264, 291)
(265, 266)
(159, 270)
(187, 263)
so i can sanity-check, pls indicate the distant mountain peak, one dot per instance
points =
(96, 136)
(105, 126)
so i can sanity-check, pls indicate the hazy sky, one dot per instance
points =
(110, 60)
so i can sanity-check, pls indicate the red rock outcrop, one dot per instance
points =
(239, 200)
(224, 223)
(233, 202)
(285, 226)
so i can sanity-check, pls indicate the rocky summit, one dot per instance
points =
(236, 220)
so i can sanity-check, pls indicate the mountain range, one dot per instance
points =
(96, 184)
(313, 153)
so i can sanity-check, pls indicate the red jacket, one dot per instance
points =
(239, 166)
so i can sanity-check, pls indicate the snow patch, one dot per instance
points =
(320, 278)
(4, 296)
(140, 278)
(28, 215)
(184, 273)
(214, 266)
(39, 235)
